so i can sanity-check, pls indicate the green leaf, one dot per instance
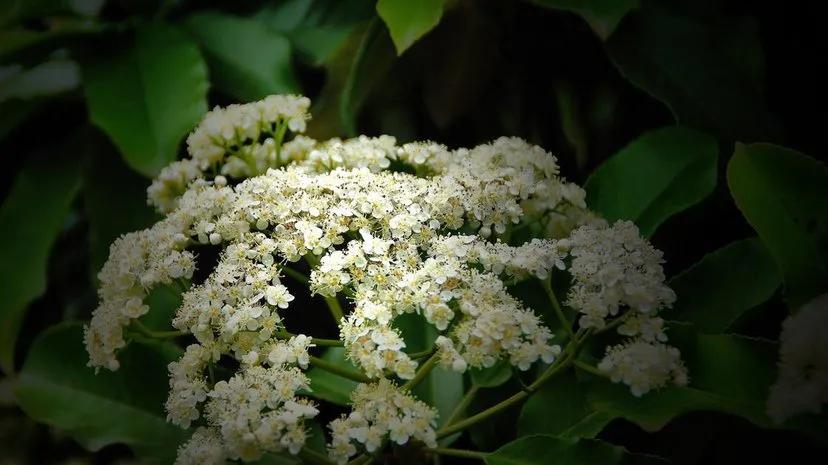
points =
(373, 59)
(31, 219)
(48, 78)
(602, 16)
(328, 386)
(247, 59)
(546, 449)
(408, 21)
(716, 291)
(728, 373)
(15, 112)
(782, 194)
(656, 176)
(714, 83)
(126, 406)
(560, 408)
(316, 28)
(110, 189)
(148, 97)
(493, 376)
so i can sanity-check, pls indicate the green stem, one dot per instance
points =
(463, 405)
(295, 274)
(280, 135)
(338, 370)
(614, 323)
(562, 363)
(333, 302)
(422, 354)
(320, 342)
(424, 370)
(468, 454)
(589, 368)
(547, 286)
(156, 334)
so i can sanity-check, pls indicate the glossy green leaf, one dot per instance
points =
(147, 98)
(31, 218)
(602, 16)
(782, 194)
(409, 21)
(110, 189)
(710, 74)
(125, 407)
(656, 176)
(546, 449)
(247, 59)
(328, 386)
(716, 291)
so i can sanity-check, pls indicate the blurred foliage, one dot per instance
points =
(653, 103)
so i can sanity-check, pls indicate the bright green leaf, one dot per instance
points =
(656, 176)
(408, 21)
(602, 16)
(709, 74)
(716, 291)
(545, 450)
(126, 406)
(247, 59)
(328, 386)
(782, 194)
(31, 218)
(148, 97)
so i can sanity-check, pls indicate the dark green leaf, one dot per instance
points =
(15, 112)
(51, 77)
(111, 189)
(374, 57)
(247, 59)
(709, 74)
(728, 374)
(316, 28)
(408, 21)
(716, 291)
(31, 218)
(126, 406)
(602, 16)
(560, 408)
(328, 386)
(782, 194)
(149, 96)
(492, 376)
(656, 176)
(545, 450)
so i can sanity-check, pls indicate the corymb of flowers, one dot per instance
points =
(386, 230)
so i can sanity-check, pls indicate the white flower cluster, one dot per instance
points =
(614, 269)
(802, 380)
(228, 139)
(387, 279)
(644, 365)
(255, 411)
(381, 410)
(389, 242)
